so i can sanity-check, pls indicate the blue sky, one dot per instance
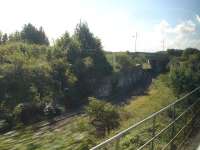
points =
(177, 22)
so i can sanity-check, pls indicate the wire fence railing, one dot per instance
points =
(166, 129)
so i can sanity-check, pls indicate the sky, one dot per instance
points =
(176, 23)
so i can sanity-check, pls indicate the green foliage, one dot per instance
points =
(33, 73)
(103, 116)
(72, 136)
(86, 38)
(51, 111)
(22, 79)
(32, 35)
(125, 63)
(174, 52)
(29, 34)
(87, 61)
(3, 38)
(28, 77)
(15, 37)
(185, 73)
(26, 112)
(32, 146)
(76, 132)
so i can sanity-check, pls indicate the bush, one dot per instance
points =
(6, 124)
(102, 115)
(26, 113)
(184, 74)
(51, 111)
(86, 143)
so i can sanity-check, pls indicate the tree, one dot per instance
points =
(84, 53)
(32, 35)
(185, 73)
(14, 37)
(125, 63)
(64, 82)
(42, 37)
(103, 116)
(91, 47)
(64, 41)
(86, 38)
(174, 52)
(1, 34)
(32, 73)
(4, 38)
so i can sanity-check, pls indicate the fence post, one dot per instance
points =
(173, 127)
(153, 132)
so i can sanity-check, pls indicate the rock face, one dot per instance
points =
(105, 88)
(159, 63)
(134, 80)
(121, 82)
(130, 78)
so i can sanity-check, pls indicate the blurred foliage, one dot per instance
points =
(185, 71)
(103, 116)
(36, 78)
(77, 133)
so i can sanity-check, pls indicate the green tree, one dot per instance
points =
(1, 34)
(15, 37)
(32, 35)
(88, 62)
(86, 38)
(185, 73)
(64, 82)
(103, 116)
(125, 63)
(4, 38)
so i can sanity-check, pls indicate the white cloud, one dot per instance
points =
(185, 27)
(198, 18)
(179, 36)
(163, 27)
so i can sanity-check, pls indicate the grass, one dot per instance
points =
(65, 137)
(76, 133)
(158, 96)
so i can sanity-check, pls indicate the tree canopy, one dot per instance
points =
(32, 35)
(185, 71)
(32, 73)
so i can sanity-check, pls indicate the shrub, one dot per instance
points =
(26, 113)
(184, 74)
(51, 111)
(102, 115)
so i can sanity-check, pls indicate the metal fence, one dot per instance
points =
(164, 129)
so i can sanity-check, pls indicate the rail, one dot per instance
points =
(177, 120)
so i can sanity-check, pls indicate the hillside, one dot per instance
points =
(75, 133)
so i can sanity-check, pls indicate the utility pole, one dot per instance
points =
(113, 59)
(163, 44)
(135, 36)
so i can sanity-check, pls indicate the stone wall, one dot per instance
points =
(121, 82)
